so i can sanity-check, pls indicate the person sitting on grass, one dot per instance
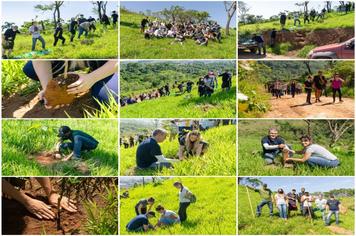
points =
(191, 143)
(35, 30)
(307, 201)
(333, 206)
(315, 155)
(282, 204)
(149, 154)
(8, 41)
(36, 207)
(168, 217)
(273, 145)
(266, 195)
(321, 205)
(79, 141)
(140, 223)
(141, 206)
(292, 201)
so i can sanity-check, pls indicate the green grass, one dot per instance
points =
(219, 160)
(303, 53)
(220, 104)
(214, 212)
(332, 21)
(133, 45)
(249, 225)
(105, 45)
(24, 138)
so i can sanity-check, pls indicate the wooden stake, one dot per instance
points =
(65, 75)
(249, 200)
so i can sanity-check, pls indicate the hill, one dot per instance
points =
(219, 160)
(213, 213)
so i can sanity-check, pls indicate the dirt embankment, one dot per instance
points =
(300, 38)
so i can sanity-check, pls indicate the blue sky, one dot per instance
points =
(20, 11)
(270, 8)
(311, 184)
(216, 9)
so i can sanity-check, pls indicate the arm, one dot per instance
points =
(181, 153)
(67, 158)
(306, 156)
(43, 70)
(58, 145)
(272, 147)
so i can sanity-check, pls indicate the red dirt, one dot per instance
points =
(56, 90)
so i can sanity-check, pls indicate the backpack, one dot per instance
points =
(192, 198)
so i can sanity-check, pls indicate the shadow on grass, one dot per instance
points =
(129, 24)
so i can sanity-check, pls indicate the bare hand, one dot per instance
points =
(66, 203)
(281, 145)
(81, 86)
(41, 97)
(39, 209)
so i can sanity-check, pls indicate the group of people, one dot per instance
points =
(314, 155)
(201, 33)
(80, 24)
(144, 214)
(287, 203)
(207, 85)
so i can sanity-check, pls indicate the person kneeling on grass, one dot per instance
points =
(141, 206)
(333, 206)
(140, 223)
(315, 155)
(168, 217)
(149, 154)
(266, 195)
(79, 141)
(273, 145)
(38, 208)
(191, 144)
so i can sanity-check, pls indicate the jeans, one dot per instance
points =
(319, 161)
(160, 165)
(308, 96)
(261, 46)
(322, 213)
(282, 210)
(101, 90)
(336, 213)
(139, 229)
(334, 94)
(80, 143)
(168, 221)
(58, 38)
(34, 41)
(182, 212)
(270, 156)
(81, 31)
(262, 203)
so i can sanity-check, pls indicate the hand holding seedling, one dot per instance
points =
(82, 85)
(66, 203)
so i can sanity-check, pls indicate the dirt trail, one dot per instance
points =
(248, 55)
(288, 107)
(339, 230)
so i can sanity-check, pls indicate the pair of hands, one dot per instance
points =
(43, 211)
(78, 88)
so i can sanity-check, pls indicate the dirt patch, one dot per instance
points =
(46, 158)
(339, 230)
(56, 90)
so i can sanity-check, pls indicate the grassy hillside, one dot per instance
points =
(220, 104)
(332, 21)
(247, 224)
(133, 45)
(25, 138)
(105, 45)
(213, 213)
(219, 160)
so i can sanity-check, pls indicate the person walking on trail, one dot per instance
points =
(333, 207)
(8, 42)
(266, 196)
(192, 144)
(336, 84)
(79, 142)
(58, 35)
(140, 223)
(260, 43)
(168, 217)
(318, 82)
(273, 37)
(300, 195)
(149, 154)
(115, 18)
(144, 205)
(41, 209)
(144, 22)
(283, 19)
(292, 201)
(320, 203)
(210, 82)
(73, 25)
(185, 199)
(35, 31)
(308, 86)
(226, 80)
(273, 146)
(315, 155)
(277, 87)
(282, 204)
(293, 87)
(307, 201)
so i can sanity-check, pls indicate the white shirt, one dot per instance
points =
(319, 151)
(168, 213)
(320, 203)
(183, 194)
(280, 199)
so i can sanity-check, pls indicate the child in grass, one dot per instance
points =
(79, 141)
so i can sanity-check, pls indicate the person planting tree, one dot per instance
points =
(140, 223)
(141, 206)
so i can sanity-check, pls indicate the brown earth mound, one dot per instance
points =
(56, 90)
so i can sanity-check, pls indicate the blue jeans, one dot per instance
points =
(34, 41)
(319, 161)
(101, 90)
(81, 31)
(282, 210)
(262, 203)
(336, 213)
(160, 165)
(168, 221)
(80, 144)
(270, 156)
(322, 213)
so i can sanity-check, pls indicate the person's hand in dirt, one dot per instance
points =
(68, 157)
(66, 203)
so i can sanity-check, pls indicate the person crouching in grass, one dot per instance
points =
(191, 144)
(167, 218)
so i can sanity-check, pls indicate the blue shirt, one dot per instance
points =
(146, 153)
(137, 222)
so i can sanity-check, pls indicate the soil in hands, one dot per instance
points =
(56, 90)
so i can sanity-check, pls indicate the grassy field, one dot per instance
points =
(220, 104)
(219, 160)
(332, 21)
(249, 225)
(213, 213)
(23, 139)
(133, 45)
(250, 154)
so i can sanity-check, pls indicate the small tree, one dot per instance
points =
(55, 7)
(243, 10)
(337, 129)
(230, 8)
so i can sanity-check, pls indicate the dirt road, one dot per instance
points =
(288, 107)
(248, 55)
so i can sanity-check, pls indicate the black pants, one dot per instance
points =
(182, 212)
(58, 38)
(308, 96)
(72, 35)
(334, 94)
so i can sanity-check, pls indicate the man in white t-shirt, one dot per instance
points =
(168, 217)
(35, 31)
(321, 205)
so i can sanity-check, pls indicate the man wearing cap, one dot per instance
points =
(140, 223)
(79, 141)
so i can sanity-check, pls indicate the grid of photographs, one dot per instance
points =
(178, 117)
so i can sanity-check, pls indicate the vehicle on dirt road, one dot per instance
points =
(249, 45)
(344, 50)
